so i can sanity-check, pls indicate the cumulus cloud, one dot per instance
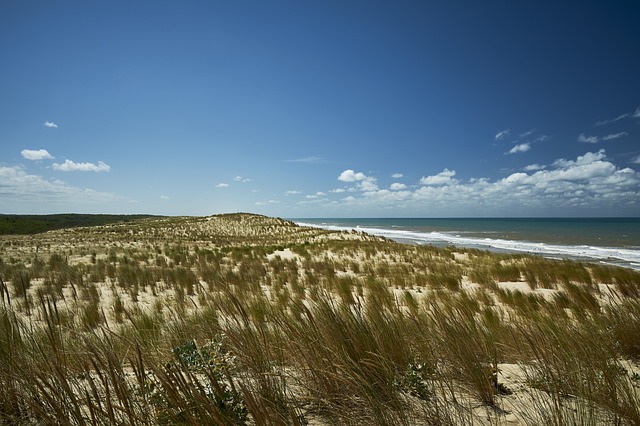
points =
(241, 179)
(222, 185)
(636, 159)
(364, 182)
(36, 154)
(397, 175)
(396, 186)
(50, 125)
(590, 182)
(522, 147)
(164, 197)
(588, 158)
(70, 166)
(263, 203)
(351, 176)
(502, 134)
(292, 192)
(445, 177)
(368, 185)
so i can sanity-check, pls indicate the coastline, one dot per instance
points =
(628, 257)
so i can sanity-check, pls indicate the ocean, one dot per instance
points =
(602, 240)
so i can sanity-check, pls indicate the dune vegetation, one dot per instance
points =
(244, 319)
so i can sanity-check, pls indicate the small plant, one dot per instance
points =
(414, 380)
(209, 371)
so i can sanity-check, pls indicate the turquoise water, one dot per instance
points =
(608, 240)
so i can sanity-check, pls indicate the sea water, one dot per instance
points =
(605, 240)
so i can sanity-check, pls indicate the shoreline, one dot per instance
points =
(615, 256)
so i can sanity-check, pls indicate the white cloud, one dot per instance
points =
(397, 175)
(263, 203)
(614, 136)
(306, 160)
(351, 176)
(396, 186)
(541, 138)
(368, 185)
(50, 125)
(364, 182)
(595, 139)
(524, 141)
(36, 154)
(502, 134)
(70, 166)
(526, 134)
(635, 114)
(613, 120)
(588, 158)
(316, 195)
(241, 179)
(18, 188)
(164, 197)
(222, 185)
(292, 192)
(580, 172)
(533, 167)
(522, 147)
(588, 139)
(338, 190)
(442, 178)
(589, 183)
(636, 159)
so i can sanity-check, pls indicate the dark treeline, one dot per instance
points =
(33, 224)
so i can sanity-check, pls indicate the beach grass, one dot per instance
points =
(245, 319)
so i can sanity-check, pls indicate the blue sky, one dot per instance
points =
(320, 108)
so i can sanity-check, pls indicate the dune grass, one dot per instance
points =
(211, 321)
